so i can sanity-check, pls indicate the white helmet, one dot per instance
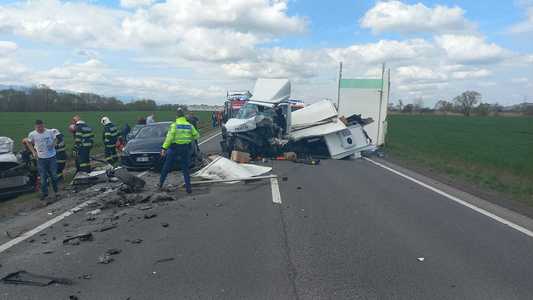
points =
(105, 121)
(55, 132)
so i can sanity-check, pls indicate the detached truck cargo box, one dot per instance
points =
(370, 98)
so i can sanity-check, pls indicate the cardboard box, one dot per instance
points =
(290, 156)
(240, 157)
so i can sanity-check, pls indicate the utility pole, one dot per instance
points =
(339, 87)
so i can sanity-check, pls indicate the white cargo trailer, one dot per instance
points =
(368, 97)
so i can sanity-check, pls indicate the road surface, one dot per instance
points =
(344, 230)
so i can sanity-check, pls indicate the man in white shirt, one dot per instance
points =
(43, 144)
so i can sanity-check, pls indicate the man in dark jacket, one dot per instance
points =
(83, 143)
(61, 153)
(110, 138)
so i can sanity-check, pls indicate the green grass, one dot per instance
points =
(491, 152)
(17, 125)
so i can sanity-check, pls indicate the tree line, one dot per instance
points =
(43, 99)
(467, 103)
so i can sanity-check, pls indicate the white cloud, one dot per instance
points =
(520, 80)
(7, 47)
(471, 74)
(526, 26)
(396, 16)
(225, 28)
(384, 51)
(470, 49)
(419, 74)
(135, 3)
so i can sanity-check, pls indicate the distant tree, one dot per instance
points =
(418, 104)
(400, 105)
(443, 106)
(483, 109)
(466, 101)
(391, 107)
(409, 108)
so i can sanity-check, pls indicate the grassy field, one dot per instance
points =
(17, 125)
(493, 153)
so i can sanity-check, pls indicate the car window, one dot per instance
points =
(154, 131)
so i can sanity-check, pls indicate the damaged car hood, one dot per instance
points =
(241, 125)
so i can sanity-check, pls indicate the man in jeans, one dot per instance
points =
(43, 147)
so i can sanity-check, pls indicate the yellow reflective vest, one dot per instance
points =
(180, 132)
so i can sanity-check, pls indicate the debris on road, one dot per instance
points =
(84, 237)
(27, 278)
(164, 260)
(240, 157)
(113, 251)
(134, 241)
(94, 212)
(150, 216)
(165, 225)
(145, 207)
(420, 259)
(221, 168)
(161, 197)
(108, 227)
(105, 259)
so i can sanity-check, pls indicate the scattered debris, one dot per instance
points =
(13, 235)
(312, 162)
(290, 156)
(145, 207)
(284, 178)
(86, 276)
(113, 251)
(150, 216)
(164, 260)
(133, 182)
(94, 212)
(77, 209)
(83, 237)
(420, 259)
(164, 225)
(135, 241)
(240, 157)
(108, 227)
(298, 187)
(73, 297)
(48, 252)
(218, 204)
(27, 278)
(105, 259)
(222, 168)
(161, 197)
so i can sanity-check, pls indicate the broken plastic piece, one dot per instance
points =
(27, 278)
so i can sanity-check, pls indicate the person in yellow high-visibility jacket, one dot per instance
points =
(177, 145)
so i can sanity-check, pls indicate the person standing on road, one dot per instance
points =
(61, 153)
(42, 142)
(110, 137)
(191, 118)
(83, 142)
(177, 145)
(150, 119)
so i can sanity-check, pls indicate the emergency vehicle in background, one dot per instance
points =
(234, 101)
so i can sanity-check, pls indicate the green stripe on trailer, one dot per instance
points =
(361, 84)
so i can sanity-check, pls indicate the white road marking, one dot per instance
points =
(209, 138)
(69, 212)
(276, 196)
(51, 222)
(455, 199)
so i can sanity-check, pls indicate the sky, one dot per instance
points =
(193, 51)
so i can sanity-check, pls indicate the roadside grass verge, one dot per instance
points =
(492, 153)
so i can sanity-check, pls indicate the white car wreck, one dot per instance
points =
(15, 175)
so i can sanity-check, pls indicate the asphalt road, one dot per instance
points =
(345, 230)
